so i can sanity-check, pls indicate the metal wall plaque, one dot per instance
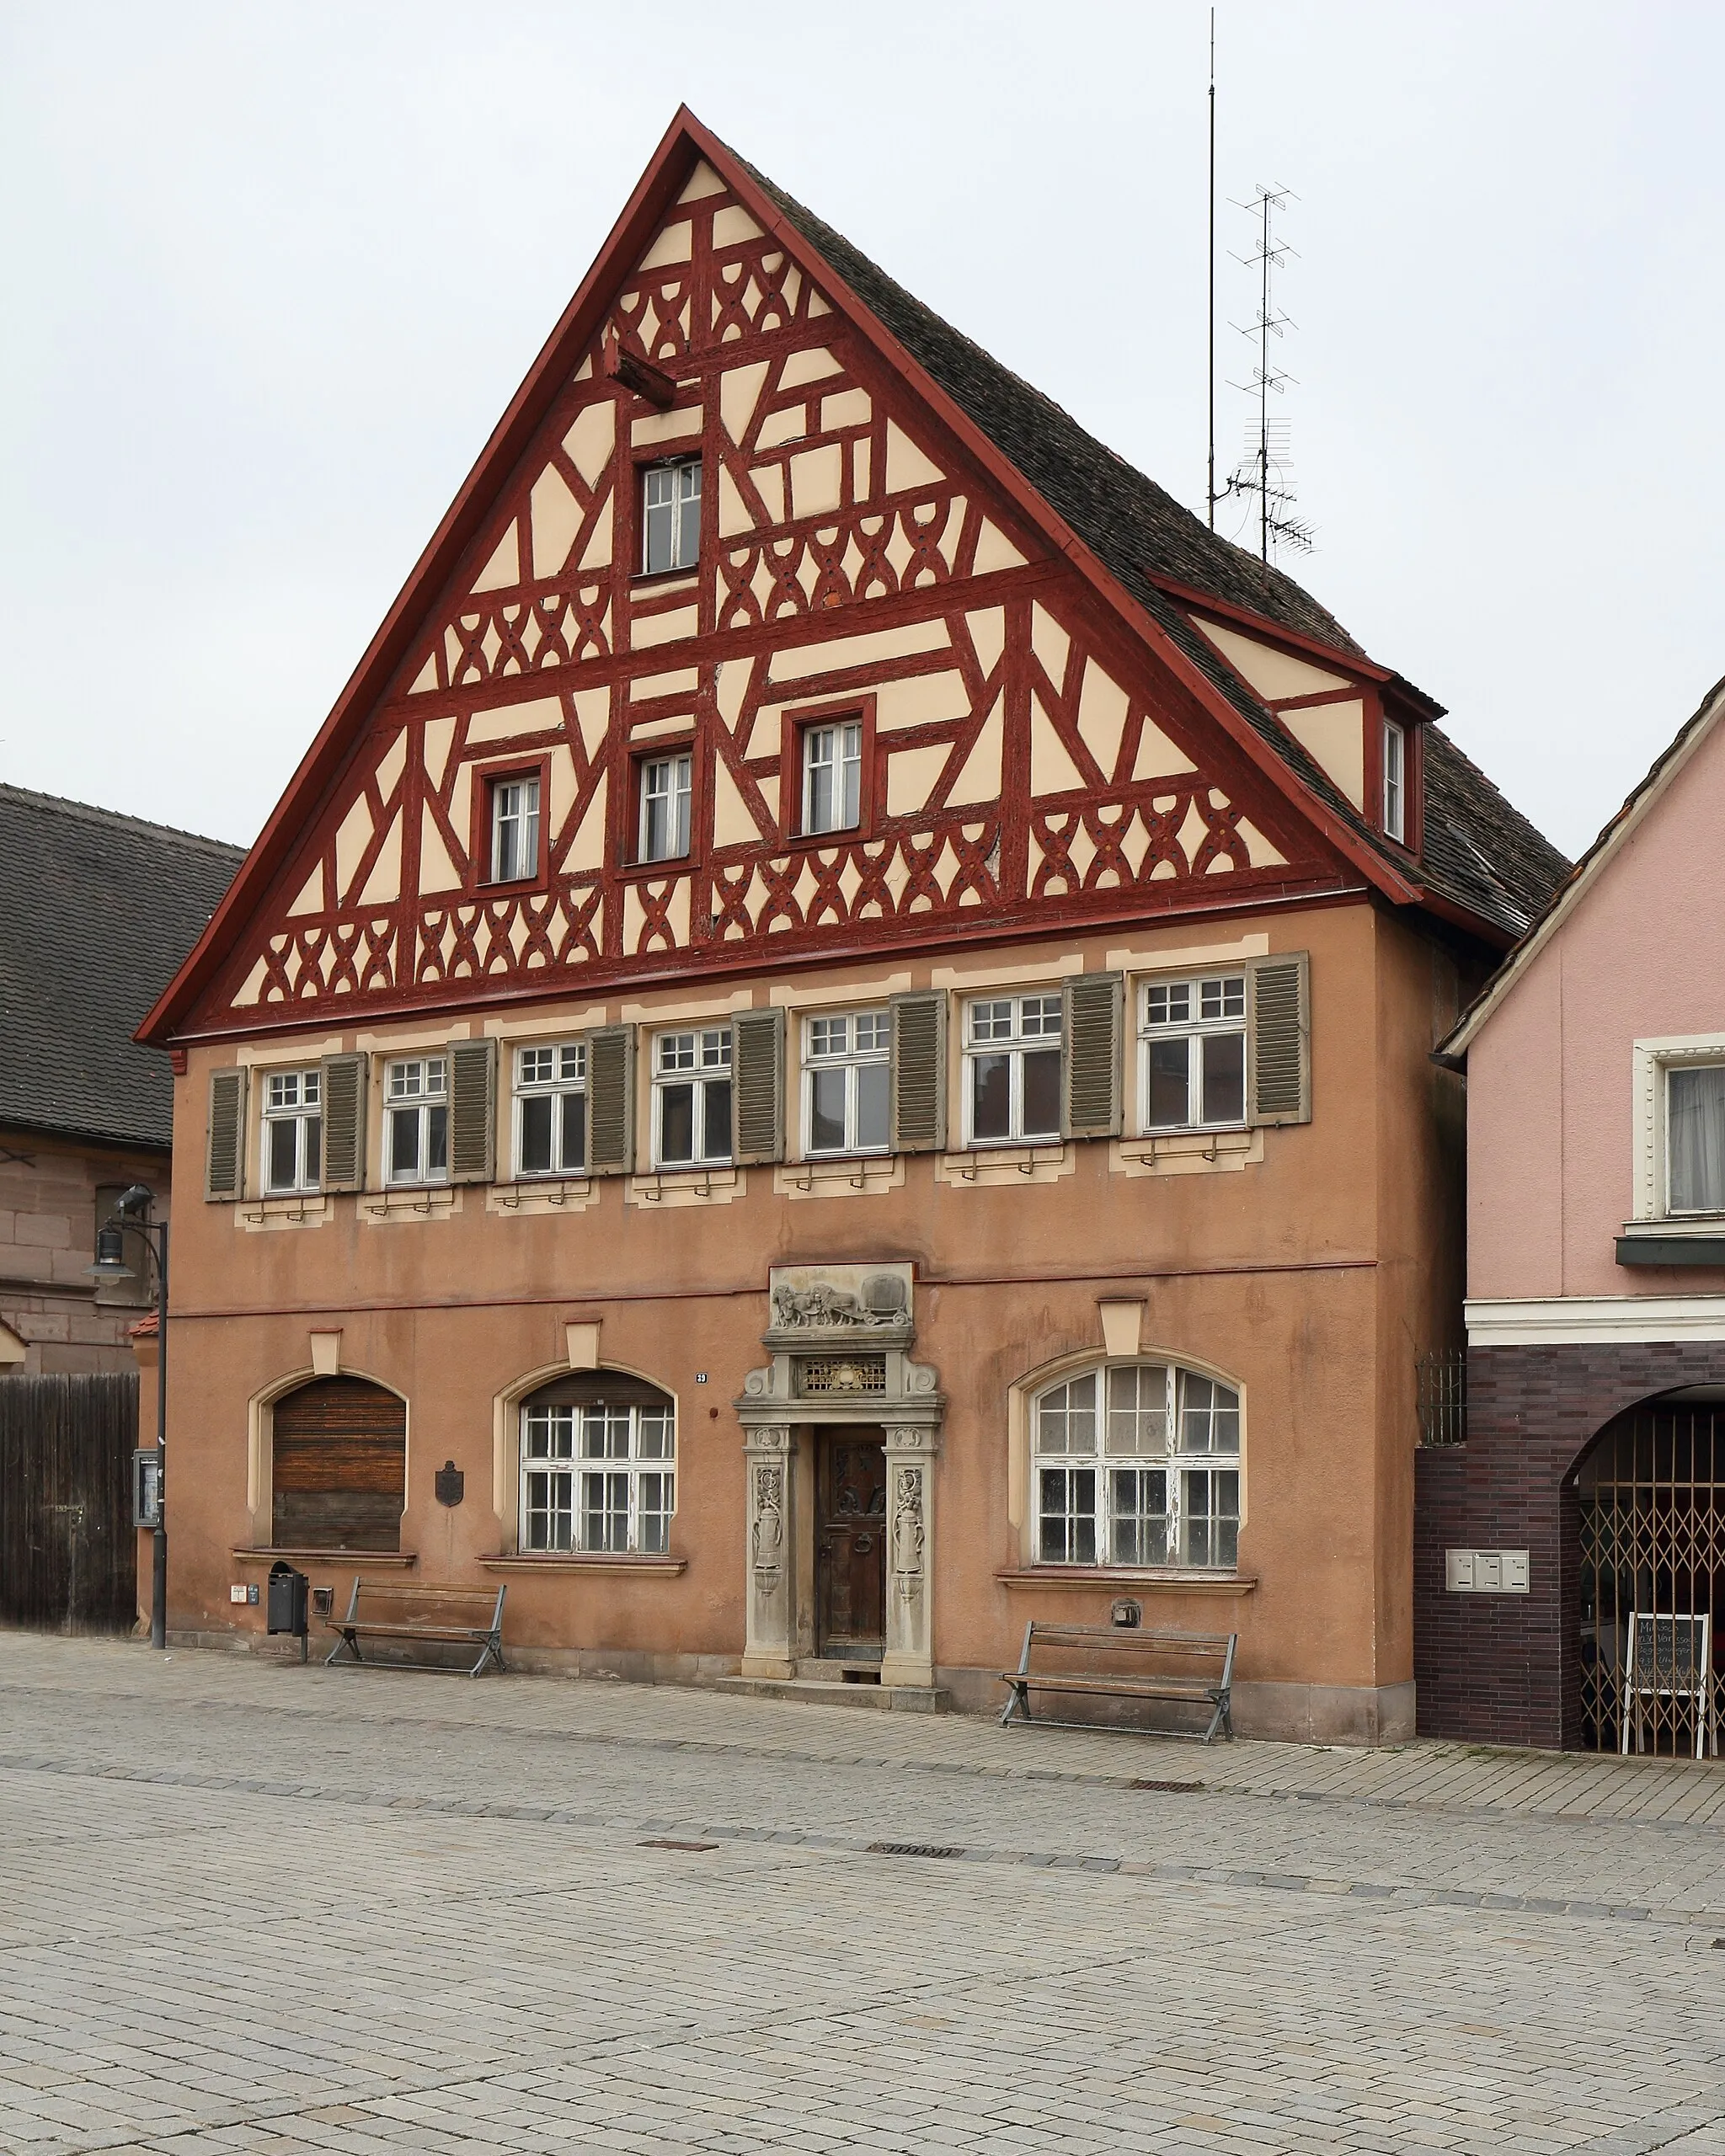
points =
(450, 1484)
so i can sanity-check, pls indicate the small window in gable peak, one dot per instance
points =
(1395, 780)
(671, 517)
(515, 827)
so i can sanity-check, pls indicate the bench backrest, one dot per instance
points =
(1205, 1651)
(408, 1602)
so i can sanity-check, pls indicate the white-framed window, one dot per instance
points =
(832, 776)
(691, 1098)
(1395, 780)
(293, 1131)
(551, 1110)
(666, 782)
(598, 1475)
(1191, 1037)
(1137, 1463)
(515, 827)
(671, 517)
(1695, 1137)
(416, 1119)
(847, 1084)
(1012, 1069)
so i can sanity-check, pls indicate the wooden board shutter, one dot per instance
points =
(610, 1101)
(919, 1070)
(757, 1086)
(1090, 1066)
(1279, 1038)
(344, 1122)
(225, 1171)
(338, 1466)
(472, 1111)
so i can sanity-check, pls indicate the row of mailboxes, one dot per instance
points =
(1486, 1571)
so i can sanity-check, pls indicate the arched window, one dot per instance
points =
(1136, 1464)
(598, 1454)
(339, 1466)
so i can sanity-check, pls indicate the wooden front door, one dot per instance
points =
(850, 1543)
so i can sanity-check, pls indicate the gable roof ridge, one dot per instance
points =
(89, 812)
(1586, 872)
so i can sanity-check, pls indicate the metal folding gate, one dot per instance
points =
(68, 1550)
(1651, 1499)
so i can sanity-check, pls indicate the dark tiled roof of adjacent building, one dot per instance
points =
(97, 912)
(1479, 851)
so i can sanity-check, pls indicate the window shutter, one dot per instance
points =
(225, 1174)
(472, 1111)
(344, 1122)
(610, 1101)
(1279, 1037)
(919, 1070)
(757, 1086)
(1091, 1062)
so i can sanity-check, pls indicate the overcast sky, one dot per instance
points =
(274, 272)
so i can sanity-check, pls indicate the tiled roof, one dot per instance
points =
(1479, 851)
(97, 910)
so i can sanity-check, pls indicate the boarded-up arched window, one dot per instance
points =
(339, 1466)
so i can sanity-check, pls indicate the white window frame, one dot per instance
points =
(832, 749)
(554, 1072)
(676, 790)
(514, 827)
(709, 1064)
(1395, 779)
(1159, 1435)
(302, 1107)
(1015, 1044)
(416, 1087)
(1224, 987)
(820, 1057)
(1651, 1061)
(677, 516)
(586, 1444)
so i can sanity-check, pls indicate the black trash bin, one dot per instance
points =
(289, 1602)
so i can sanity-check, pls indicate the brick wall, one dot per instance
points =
(1504, 1669)
(48, 1194)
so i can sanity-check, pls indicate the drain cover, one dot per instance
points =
(910, 1848)
(1179, 1789)
(676, 1846)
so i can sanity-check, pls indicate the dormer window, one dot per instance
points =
(1395, 760)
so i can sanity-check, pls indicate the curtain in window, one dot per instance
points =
(1695, 1127)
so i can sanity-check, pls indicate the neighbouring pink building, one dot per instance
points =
(1571, 1552)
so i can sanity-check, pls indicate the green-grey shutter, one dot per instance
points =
(919, 1070)
(610, 1101)
(757, 1086)
(224, 1173)
(1090, 1104)
(1279, 1038)
(344, 1122)
(472, 1111)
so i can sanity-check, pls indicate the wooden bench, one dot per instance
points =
(1194, 1668)
(386, 1609)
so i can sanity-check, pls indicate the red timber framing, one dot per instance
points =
(1039, 751)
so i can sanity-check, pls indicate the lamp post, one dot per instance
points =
(133, 1212)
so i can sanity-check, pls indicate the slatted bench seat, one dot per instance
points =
(1192, 1668)
(389, 1610)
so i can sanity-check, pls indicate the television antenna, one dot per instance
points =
(1265, 471)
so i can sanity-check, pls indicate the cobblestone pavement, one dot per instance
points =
(251, 1908)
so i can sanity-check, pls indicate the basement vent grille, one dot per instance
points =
(1172, 1788)
(910, 1848)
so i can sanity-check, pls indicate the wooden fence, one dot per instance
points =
(68, 1550)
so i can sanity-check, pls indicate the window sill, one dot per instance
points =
(664, 580)
(390, 1559)
(425, 1201)
(306, 1208)
(1186, 1152)
(677, 864)
(670, 1188)
(538, 1194)
(1163, 1581)
(984, 1166)
(587, 1561)
(839, 1176)
(1673, 1243)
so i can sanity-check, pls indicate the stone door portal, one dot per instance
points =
(850, 1544)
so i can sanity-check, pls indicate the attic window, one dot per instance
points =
(1394, 759)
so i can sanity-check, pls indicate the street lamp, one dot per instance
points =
(133, 1212)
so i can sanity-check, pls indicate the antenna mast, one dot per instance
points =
(1267, 460)
(1210, 484)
